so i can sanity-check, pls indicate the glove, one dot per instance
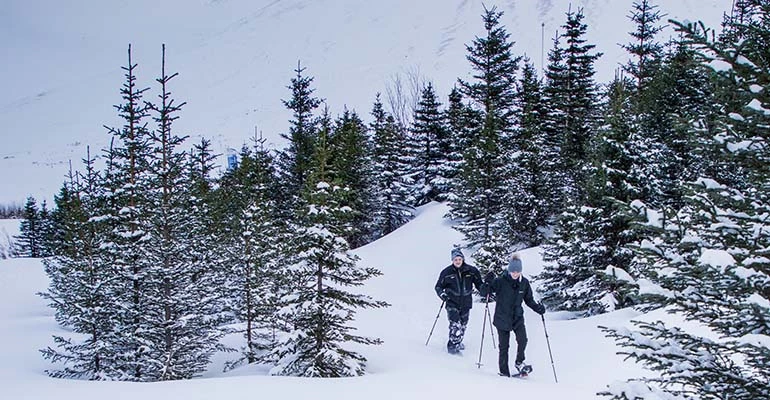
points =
(540, 309)
(443, 296)
(489, 277)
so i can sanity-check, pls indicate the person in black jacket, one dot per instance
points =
(511, 289)
(455, 286)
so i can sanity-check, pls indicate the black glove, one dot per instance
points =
(443, 296)
(540, 309)
(489, 277)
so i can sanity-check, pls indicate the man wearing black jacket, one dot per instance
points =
(455, 286)
(511, 289)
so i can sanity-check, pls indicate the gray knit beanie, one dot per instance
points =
(515, 264)
(457, 253)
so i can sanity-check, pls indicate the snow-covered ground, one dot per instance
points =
(402, 368)
(61, 72)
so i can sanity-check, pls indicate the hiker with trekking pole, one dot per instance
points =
(511, 289)
(455, 288)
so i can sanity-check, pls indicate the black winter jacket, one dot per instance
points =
(458, 285)
(510, 294)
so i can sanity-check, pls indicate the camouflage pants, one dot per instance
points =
(458, 320)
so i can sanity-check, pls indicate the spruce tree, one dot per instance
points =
(255, 275)
(180, 323)
(580, 100)
(589, 254)
(431, 148)
(351, 158)
(319, 308)
(80, 288)
(31, 230)
(294, 161)
(647, 53)
(531, 187)
(715, 251)
(390, 165)
(126, 214)
(481, 185)
(460, 120)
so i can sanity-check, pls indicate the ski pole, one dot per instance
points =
(491, 326)
(483, 330)
(549, 349)
(434, 322)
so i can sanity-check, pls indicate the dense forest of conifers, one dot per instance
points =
(626, 185)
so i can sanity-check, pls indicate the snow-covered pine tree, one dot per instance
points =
(647, 53)
(481, 184)
(716, 252)
(351, 158)
(459, 119)
(391, 169)
(430, 148)
(256, 272)
(319, 308)
(532, 189)
(571, 82)
(294, 161)
(178, 329)
(30, 236)
(126, 214)
(590, 269)
(79, 289)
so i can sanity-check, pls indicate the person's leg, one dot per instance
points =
(504, 340)
(464, 315)
(521, 341)
(455, 329)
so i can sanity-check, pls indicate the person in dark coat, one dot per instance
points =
(511, 290)
(455, 286)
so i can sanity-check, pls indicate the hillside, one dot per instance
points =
(403, 367)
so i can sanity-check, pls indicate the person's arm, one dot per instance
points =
(440, 286)
(530, 300)
(489, 285)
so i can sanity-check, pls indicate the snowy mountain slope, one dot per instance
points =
(235, 57)
(403, 367)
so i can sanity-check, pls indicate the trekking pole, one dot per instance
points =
(491, 327)
(549, 349)
(434, 322)
(483, 330)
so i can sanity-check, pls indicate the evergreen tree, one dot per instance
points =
(126, 214)
(715, 251)
(390, 165)
(590, 252)
(256, 272)
(319, 308)
(294, 161)
(481, 185)
(430, 146)
(646, 52)
(571, 81)
(180, 323)
(459, 119)
(351, 158)
(31, 230)
(532, 189)
(79, 289)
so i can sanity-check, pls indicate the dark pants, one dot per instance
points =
(458, 320)
(505, 337)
